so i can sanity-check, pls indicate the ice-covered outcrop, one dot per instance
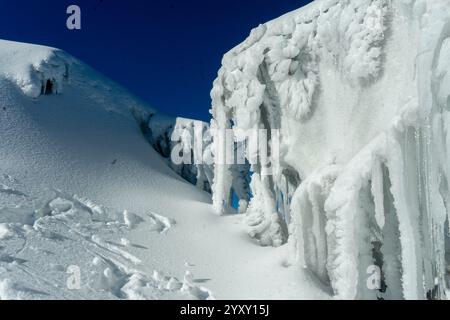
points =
(36, 70)
(184, 143)
(188, 149)
(359, 91)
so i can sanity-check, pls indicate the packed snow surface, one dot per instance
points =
(89, 210)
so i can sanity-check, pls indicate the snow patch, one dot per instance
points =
(5, 231)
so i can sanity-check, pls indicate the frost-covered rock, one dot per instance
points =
(185, 144)
(359, 91)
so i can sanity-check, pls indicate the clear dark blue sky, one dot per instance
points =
(167, 52)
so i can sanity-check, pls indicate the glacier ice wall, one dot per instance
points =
(185, 144)
(360, 92)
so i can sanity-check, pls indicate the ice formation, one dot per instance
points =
(44, 72)
(360, 91)
(185, 144)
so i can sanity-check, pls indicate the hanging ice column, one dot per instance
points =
(252, 101)
(360, 91)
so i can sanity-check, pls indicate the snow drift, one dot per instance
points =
(360, 93)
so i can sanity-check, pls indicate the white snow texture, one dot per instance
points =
(89, 209)
(360, 91)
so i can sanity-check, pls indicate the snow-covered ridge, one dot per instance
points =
(78, 181)
(359, 91)
(39, 70)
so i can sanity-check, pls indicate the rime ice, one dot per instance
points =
(360, 93)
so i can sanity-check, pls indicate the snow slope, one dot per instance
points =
(89, 210)
(359, 91)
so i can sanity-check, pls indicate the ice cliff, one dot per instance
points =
(360, 93)
(185, 144)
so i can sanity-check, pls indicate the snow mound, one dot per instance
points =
(359, 92)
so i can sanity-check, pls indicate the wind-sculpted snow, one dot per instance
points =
(359, 91)
(36, 70)
(39, 237)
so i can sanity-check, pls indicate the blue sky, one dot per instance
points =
(166, 52)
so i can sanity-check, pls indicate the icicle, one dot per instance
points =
(377, 192)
